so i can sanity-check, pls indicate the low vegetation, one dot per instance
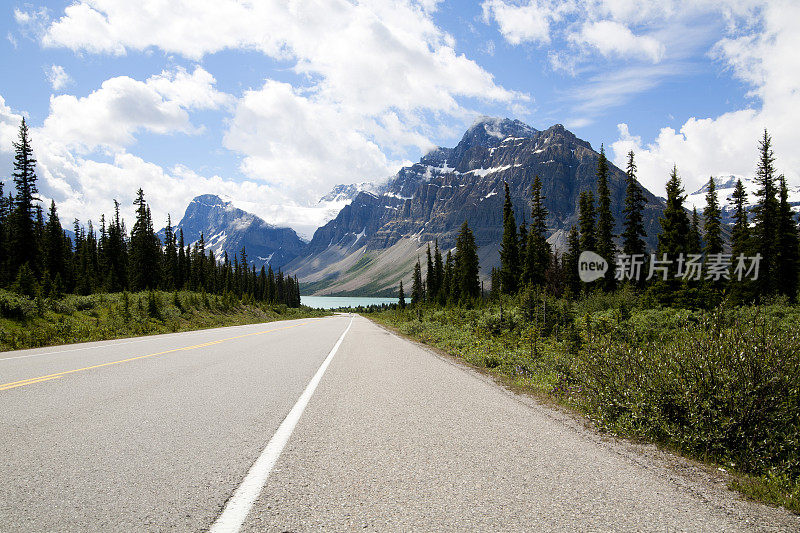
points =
(720, 385)
(32, 322)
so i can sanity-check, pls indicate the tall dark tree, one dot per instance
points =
(438, 269)
(116, 254)
(740, 233)
(430, 276)
(712, 220)
(695, 244)
(449, 286)
(605, 219)
(537, 251)
(634, 233)
(765, 217)
(509, 248)
(675, 224)
(467, 265)
(170, 264)
(787, 258)
(417, 291)
(587, 216)
(55, 246)
(145, 255)
(24, 245)
(571, 277)
(401, 296)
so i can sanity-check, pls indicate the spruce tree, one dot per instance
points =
(438, 270)
(787, 259)
(401, 296)
(145, 255)
(537, 251)
(572, 278)
(4, 210)
(523, 242)
(675, 228)
(430, 278)
(605, 219)
(509, 248)
(417, 292)
(449, 287)
(765, 217)
(170, 265)
(740, 234)
(712, 220)
(24, 245)
(55, 246)
(467, 265)
(586, 216)
(694, 245)
(634, 233)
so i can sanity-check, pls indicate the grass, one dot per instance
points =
(31, 323)
(722, 386)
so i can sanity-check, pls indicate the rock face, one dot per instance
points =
(430, 199)
(226, 228)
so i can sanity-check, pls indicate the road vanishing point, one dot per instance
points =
(331, 424)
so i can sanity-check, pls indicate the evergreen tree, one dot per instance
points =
(449, 286)
(537, 251)
(145, 256)
(605, 219)
(586, 215)
(740, 234)
(765, 217)
(55, 245)
(634, 233)
(523, 243)
(712, 221)
(4, 210)
(180, 277)
(675, 228)
(509, 249)
(694, 245)
(787, 259)
(271, 285)
(170, 266)
(430, 277)
(24, 245)
(401, 296)
(417, 292)
(116, 254)
(572, 278)
(438, 270)
(467, 265)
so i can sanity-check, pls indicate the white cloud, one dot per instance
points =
(111, 115)
(767, 59)
(374, 73)
(613, 38)
(58, 77)
(520, 23)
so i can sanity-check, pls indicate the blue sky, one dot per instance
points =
(272, 103)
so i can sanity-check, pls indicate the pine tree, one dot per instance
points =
(438, 270)
(694, 245)
(765, 217)
(24, 245)
(605, 219)
(401, 296)
(740, 234)
(572, 278)
(116, 254)
(55, 246)
(675, 228)
(537, 251)
(586, 215)
(4, 210)
(634, 233)
(170, 266)
(180, 277)
(467, 265)
(417, 292)
(523, 243)
(145, 256)
(430, 277)
(787, 259)
(509, 249)
(712, 220)
(449, 287)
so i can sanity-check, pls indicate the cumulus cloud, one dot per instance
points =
(767, 59)
(613, 38)
(372, 76)
(111, 115)
(58, 77)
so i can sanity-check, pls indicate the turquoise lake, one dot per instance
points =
(334, 302)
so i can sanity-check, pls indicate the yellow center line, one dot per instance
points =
(30, 381)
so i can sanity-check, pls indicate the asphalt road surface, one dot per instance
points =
(307, 425)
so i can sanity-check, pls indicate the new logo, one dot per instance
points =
(591, 266)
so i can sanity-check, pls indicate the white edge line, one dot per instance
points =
(238, 506)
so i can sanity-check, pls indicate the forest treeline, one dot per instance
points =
(697, 261)
(38, 258)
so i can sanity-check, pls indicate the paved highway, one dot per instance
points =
(327, 424)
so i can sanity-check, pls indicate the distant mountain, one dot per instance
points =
(725, 186)
(226, 228)
(375, 239)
